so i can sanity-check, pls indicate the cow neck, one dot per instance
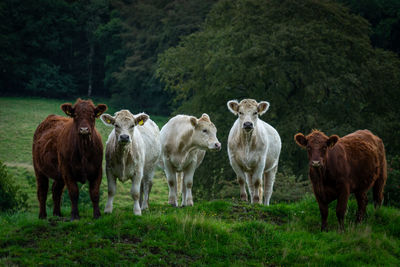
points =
(317, 177)
(247, 138)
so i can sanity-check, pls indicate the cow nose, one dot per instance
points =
(217, 146)
(248, 125)
(316, 163)
(84, 130)
(124, 138)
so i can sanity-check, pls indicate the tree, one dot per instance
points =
(312, 60)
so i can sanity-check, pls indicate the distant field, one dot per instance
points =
(212, 233)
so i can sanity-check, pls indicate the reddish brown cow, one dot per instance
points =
(340, 166)
(69, 150)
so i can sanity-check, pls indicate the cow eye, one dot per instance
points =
(205, 131)
(132, 126)
(117, 126)
(255, 113)
(308, 148)
(240, 113)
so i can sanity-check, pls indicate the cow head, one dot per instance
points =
(205, 133)
(317, 144)
(248, 111)
(124, 124)
(84, 114)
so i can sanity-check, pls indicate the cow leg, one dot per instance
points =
(342, 206)
(94, 188)
(250, 185)
(188, 183)
(269, 179)
(147, 184)
(184, 189)
(73, 192)
(135, 191)
(241, 177)
(112, 188)
(256, 182)
(362, 201)
(323, 209)
(42, 188)
(57, 190)
(171, 179)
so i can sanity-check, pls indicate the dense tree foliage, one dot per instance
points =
(312, 60)
(384, 17)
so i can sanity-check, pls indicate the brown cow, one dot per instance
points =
(69, 150)
(340, 166)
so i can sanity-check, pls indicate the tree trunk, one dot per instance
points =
(90, 69)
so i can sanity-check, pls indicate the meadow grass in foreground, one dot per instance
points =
(217, 233)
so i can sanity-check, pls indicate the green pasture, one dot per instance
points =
(211, 233)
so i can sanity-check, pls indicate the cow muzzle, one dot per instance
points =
(84, 131)
(316, 163)
(124, 138)
(248, 126)
(217, 146)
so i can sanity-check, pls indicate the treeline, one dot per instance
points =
(331, 65)
(58, 48)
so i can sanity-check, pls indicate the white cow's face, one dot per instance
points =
(248, 111)
(124, 124)
(205, 133)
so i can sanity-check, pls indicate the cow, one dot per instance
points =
(132, 153)
(184, 141)
(254, 147)
(69, 150)
(341, 166)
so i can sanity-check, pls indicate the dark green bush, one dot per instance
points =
(392, 188)
(11, 197)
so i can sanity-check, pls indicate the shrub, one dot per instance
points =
(11, 197)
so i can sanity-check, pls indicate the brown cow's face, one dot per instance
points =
(248, 111)
(317, 145)
(84, 114)
(124, 124)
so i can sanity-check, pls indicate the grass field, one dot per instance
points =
(216, 233)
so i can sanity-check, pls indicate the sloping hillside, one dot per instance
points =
(219, 232)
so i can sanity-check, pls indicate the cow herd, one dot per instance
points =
(69, 150)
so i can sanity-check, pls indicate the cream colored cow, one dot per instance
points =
(184, 141)
(253, 148)
(132, 153)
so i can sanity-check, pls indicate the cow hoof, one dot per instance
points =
(243, 197)
(189, 203)
(42, 216)
(137, 212)
(58, 214)
(108, 210)
(256, 199)
(96, 215)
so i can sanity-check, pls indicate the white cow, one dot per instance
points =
(253, 148)
(184, 141)
(132, 152)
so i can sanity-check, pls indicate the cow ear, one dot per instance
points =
(193, 121)
(301, 140)
(205, 117)
(332, 140)
(141, 119)
(100, 109)
(233, 106)
(107, 119)
(68, 109)
(262, 107)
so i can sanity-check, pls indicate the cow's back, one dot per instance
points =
(357, 157)
(44, 148)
